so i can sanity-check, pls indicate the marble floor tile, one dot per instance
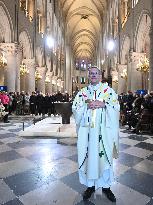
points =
(15, 166)
(145, 166)
(128, 196)
(139, 181)
(138, 152)
(137, 137)
(6, 194)
(11, 140)
(84, 203)
(5, 124)
(15, 130)
(47, 171)
(6, 135)
(74, 158)
(145, 145)
(99, 198)
(68, 141)
(72, 181)
(29, 180)
(4, 148)
(119, 168)
(44, 157)
(122, 134)
(72, 150)
(150, 141)
(123, 146)
(9, 156)
(15, 201)
(30, 150)
(48, 195)
(128, 141)
(60, 168)
(150, 157)
(19, 144)
(150, 202)
(40, 141)
(128, 160)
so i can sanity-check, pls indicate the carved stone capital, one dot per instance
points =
(134, 57)
(9, 48)
(30, 63)
(114, 73)
(49, 74)
(41, 70)
(121, 67)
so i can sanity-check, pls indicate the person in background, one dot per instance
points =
(3, 113)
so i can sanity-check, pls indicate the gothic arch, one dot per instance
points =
(6, 26)
(142, 33)
(125, 50)
(26, 45)
(39, 56)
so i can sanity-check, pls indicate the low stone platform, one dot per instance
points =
(50, 127)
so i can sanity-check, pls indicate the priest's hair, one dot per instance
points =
(94, 66)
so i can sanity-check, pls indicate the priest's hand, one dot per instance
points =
(99, 104)
(95, 104)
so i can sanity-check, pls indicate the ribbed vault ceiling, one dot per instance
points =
(84, 24)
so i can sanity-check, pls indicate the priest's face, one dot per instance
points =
(94, 76)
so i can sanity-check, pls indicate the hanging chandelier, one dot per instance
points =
(23, 69)
(3, 61)
(143, 65)
(124, 74)
(37, 75)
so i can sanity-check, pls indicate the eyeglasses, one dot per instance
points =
(92, 73)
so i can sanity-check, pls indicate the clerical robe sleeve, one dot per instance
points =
(79, 107)
(112, 116)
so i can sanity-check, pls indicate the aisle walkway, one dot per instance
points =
(44, 171)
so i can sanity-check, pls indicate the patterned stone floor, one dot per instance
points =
(44, 171)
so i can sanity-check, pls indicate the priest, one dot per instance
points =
(96, 113)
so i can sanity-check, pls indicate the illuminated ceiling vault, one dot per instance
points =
(84, 20)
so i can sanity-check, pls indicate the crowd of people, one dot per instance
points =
(34, 104)
(136, 110)
(133, 106)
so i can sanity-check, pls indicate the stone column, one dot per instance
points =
(30, 77)
(43, 24)
(134, 76)
(122, 83)
(10, 53)
(59, 85)
(54, 84)
(125, 7)
(48, 86)
(115, 86)
(41, 82)
(19, 61)
(2, 74)
(115, 81)
(62, 86)
(31, 9)
(151, 52)
(23, 82)
(67, 69)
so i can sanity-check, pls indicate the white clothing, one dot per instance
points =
(97, 135)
